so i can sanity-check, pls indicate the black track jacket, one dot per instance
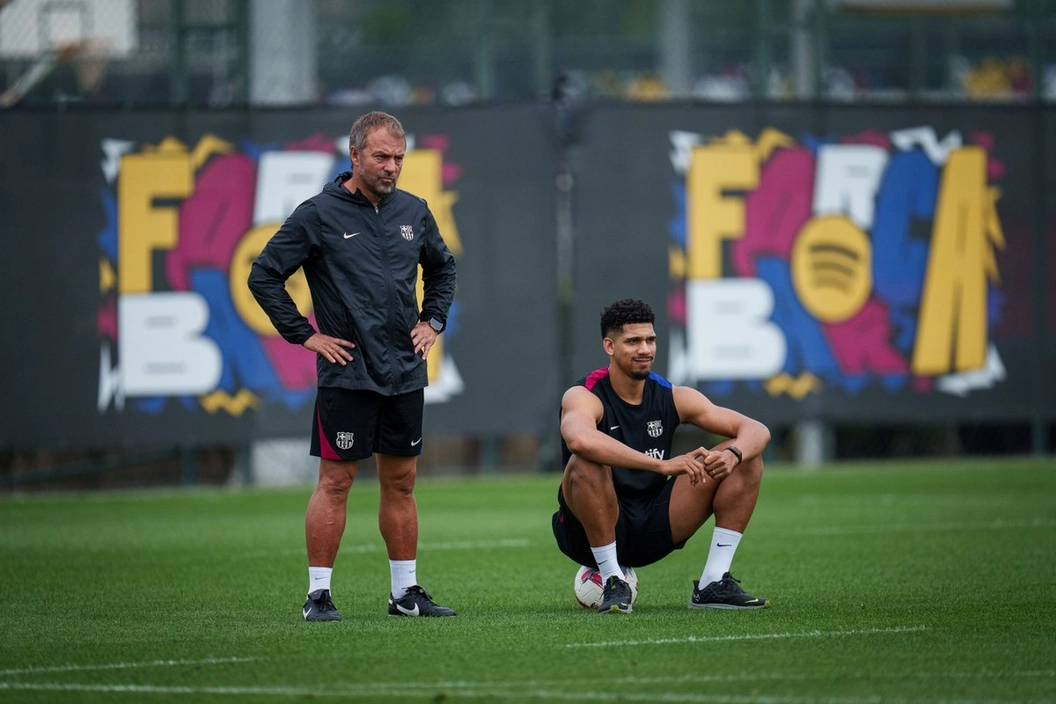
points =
(361, 263)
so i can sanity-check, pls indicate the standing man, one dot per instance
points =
(360, 242)
(624, 500)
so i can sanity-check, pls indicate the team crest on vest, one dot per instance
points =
(655, 428)
(407, 231)
(344, 440)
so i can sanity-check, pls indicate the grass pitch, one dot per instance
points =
(898, 582)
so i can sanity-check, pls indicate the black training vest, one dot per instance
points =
(648, 427)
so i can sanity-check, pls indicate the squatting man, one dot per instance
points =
(621, 503)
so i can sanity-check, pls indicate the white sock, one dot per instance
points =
(607, 564)
(319, 578)
(720, 555)
(402, 573)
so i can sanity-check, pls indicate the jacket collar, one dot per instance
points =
(337, 186)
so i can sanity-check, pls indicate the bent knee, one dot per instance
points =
(752, 469)
(581, 472)
(584, 478)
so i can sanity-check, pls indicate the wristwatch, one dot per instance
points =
(736, 452)
(436, 325)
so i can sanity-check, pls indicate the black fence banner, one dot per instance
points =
(845, 263)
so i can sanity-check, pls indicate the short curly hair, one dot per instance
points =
(625, 312)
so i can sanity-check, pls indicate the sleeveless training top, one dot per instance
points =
(649, 428)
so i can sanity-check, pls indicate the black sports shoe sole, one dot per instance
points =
(733, 607)
(727, 595)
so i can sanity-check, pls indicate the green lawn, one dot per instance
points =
(891, 582)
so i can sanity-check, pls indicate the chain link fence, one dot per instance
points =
(123, 52)
(223, 53)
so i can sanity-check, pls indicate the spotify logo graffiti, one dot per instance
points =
(832, 268)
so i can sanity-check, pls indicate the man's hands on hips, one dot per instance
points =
(424, 337)
(333, 348)
(336, 350)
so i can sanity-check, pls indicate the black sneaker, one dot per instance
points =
(320, 607)
(417, 602)
(616, 596)
(725, 594)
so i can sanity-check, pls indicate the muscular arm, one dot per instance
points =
(580, 413)
(749, 435)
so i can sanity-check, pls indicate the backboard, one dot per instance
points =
(30, 29)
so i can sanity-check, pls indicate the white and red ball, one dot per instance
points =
(588, 586)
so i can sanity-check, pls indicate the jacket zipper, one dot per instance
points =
(392, 293)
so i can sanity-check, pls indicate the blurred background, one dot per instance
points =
(695, 153)
(226, 53)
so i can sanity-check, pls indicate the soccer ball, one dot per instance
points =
(588, 586)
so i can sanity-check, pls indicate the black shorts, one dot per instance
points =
(643, 531)
(353, 425)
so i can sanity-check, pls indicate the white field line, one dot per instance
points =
(760, 636)
(816, 531)
(924, 528)
(380, 547)
(552, 690)
(454, 545)
(123, 666)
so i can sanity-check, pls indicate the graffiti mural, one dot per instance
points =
(176, 323)
(811, 264)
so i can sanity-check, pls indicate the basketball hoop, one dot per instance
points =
(86, 34)
(90, 63)
(89, 59)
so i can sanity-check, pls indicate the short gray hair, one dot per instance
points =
(362, 127)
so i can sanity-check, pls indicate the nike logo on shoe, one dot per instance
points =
(408, 612)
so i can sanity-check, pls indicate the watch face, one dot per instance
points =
(435, 324)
